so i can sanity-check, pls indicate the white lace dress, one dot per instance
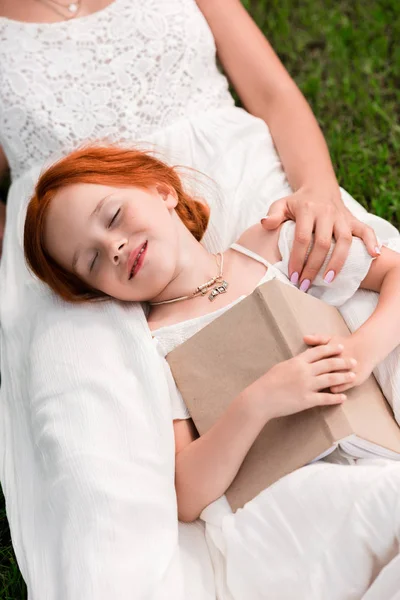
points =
(84, 408)
(120, 74)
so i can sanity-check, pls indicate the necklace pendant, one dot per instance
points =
(219, 289)
(73, 7)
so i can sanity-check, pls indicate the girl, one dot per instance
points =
(107, 222)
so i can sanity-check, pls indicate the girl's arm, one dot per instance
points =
(380, 334)
(268, 92)
(206, 466)
(382, 329)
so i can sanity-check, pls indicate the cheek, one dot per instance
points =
(135, 219)
(106, 280)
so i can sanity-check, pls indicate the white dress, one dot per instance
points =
(86, 439)
(285, 540)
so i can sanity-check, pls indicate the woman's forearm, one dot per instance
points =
(299, 142)
(206, 467)
(268, 92)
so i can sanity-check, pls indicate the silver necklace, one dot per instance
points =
(73, 8)
(201, 290)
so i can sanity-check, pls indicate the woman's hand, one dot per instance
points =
(325, 215)
(295, 385)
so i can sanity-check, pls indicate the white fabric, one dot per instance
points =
(325, 531)
(86, 441)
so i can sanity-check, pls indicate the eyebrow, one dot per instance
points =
(93, 214)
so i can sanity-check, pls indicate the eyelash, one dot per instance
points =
(114, 217)
(93, 261)
(109, 225)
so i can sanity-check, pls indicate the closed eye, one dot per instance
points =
(114, 217)
(93, 261)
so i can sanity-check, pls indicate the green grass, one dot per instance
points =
(345, 57)
(12, 586)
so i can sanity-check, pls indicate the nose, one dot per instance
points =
(115, 250)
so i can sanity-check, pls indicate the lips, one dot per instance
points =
(135, 259)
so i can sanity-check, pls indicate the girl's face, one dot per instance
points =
(97, 231)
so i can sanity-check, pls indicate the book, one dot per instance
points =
(217, 363)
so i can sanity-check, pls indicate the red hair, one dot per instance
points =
(103, 165)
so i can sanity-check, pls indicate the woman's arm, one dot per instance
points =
(268, 92)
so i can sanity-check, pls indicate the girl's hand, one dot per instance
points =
(295, 385)
(325, 215)
(353, 347)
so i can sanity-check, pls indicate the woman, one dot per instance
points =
(124, 70)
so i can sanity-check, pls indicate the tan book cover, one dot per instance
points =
(217, 363)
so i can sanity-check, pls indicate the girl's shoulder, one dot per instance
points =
(262, 242)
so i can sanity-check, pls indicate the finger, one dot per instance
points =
(329, 365)
(324, 398)
(276, 215)
(329, 380)
(321, 246)
(324, 351)
(342, 388)
(316, 339)
(302, 240)
(367, 234)
(343, 237)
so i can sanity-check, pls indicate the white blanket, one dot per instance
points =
(86, 440)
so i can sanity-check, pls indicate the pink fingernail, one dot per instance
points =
(294, 278)
(264, 219)
(305, 284)
(329, 276)
(377, 250)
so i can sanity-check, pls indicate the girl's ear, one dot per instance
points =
(167, 194)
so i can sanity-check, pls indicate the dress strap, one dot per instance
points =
(251, 254)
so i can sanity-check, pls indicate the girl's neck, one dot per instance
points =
(242, 274)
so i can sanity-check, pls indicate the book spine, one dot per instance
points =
(268, 315)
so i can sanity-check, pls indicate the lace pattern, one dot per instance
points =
(118, 74)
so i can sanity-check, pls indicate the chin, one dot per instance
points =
(122, 296)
